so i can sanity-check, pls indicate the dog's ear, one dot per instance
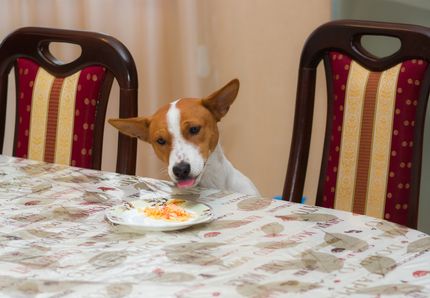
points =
(220, 101)
(133, 127)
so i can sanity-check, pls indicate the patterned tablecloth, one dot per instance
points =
(56, 242)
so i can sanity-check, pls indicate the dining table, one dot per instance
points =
(56, 241)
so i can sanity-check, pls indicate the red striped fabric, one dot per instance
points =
(27, 71)
(340, 65)
(398, 187)
(86, 100)
(366, 135)
(51, 129)
(85, 115)
(400, 157)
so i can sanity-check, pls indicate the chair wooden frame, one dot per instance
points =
(345, 36)
(97, 49)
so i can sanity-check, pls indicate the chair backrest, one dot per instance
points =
(61, 107)
(375, 119)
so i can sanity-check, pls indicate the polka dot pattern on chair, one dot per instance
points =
(57, 115)
(370, 151)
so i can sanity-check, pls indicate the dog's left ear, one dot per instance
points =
(220, 101)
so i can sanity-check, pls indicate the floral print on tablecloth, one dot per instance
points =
(56, 242)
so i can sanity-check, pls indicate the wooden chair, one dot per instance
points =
(61, 107)
(373, 144)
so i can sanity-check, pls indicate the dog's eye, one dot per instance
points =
(194, 130)
(161, 141)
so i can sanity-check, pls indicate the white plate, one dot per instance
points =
(131, 215)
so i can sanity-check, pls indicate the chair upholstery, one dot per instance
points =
(375, 117)
(61, 108)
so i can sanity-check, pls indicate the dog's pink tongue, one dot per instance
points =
(186, 183)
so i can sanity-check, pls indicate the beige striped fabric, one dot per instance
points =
(366, 140)
(52, 117)
(371, 149)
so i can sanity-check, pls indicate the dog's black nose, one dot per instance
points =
(181, 170)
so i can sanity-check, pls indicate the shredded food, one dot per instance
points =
(170, 211)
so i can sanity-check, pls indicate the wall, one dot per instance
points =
(263, 50)
(401, 11)
(192, 47)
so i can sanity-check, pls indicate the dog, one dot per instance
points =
(184, 135)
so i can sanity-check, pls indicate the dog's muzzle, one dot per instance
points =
(182, 172)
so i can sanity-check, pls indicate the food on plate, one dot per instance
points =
(169, 211)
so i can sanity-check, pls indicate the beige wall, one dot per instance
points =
(260, 43)
(192, 47)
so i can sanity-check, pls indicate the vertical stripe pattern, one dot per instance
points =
(66, 113)
(87, 95)
(39, 110)
(402, 144)
(56, 116)
(51, 128)
(381, 142)
(354, 102)
(365, 143)
(340, 66)
(26, 74)
(370, 150)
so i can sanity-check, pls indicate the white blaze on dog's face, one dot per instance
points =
(183, 133)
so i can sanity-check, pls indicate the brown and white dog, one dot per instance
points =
(184, 135)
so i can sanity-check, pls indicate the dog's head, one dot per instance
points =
(183, 133)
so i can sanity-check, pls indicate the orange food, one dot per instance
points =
(169, 211)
